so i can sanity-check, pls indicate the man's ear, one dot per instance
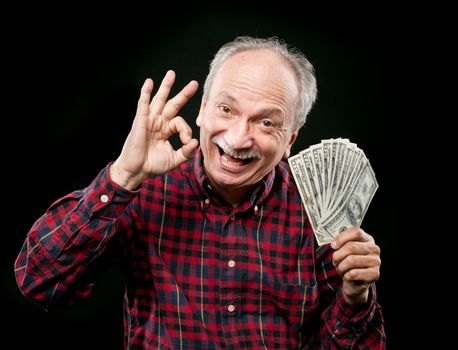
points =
(201, 112)
(292, 139)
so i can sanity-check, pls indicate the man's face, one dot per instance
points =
(245, 125)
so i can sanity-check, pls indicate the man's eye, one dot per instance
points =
(267, 123)
(224, 109)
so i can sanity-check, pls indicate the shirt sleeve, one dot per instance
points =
(64, 251)
(346, 326)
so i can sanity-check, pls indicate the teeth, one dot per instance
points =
(230, 161)
(234, 155)
(237, 157)
(224, 148)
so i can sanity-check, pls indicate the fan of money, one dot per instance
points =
(336, 183)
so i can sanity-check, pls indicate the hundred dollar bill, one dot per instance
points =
(326, 146)
(336, 183)
(336, 176)
(354, 166)
(352, 209)
(312, 208)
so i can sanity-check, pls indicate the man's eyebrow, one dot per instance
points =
(263, 112)
(270, 111)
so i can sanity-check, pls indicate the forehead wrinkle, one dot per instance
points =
(224, 94)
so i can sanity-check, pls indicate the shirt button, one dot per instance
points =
(231, 263)
(207, 201)
(231, 308)
(232, 217)
(104, 198)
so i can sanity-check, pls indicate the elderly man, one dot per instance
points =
(214, 241)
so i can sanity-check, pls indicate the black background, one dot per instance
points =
(71, 83)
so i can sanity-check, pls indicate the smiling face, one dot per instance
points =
(246, 123)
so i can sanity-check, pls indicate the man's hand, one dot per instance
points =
(357, 260)
(147, 151)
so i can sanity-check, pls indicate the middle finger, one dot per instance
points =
(160, 98)
(354, 248)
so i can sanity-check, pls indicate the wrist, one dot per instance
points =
(360, 297)
(124, 178)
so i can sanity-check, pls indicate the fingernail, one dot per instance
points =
(333, 245)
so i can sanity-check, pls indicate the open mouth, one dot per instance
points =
(233, 159)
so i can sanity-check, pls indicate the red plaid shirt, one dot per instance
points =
(200, 274)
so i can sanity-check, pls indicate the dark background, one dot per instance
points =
(71, 83)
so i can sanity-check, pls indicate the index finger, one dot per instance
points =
(350, 234)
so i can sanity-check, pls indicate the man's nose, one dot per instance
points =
(239, 135)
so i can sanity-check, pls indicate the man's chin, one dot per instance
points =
(228, 181)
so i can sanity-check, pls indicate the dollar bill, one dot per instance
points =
(352, 208)
(336, 183)
(300, 176)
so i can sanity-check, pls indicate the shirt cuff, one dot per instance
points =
(105, 197)
(355, 316)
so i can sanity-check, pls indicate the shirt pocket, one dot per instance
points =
(298, 303)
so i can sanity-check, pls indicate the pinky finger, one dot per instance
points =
(145, 96)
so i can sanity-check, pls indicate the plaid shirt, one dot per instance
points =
(200, 274)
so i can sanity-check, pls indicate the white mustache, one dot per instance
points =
(236, 154)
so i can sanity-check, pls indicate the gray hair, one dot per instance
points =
(300, 65)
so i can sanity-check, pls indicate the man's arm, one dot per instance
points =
(59, 258)
(352, 318)
(64, 251)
